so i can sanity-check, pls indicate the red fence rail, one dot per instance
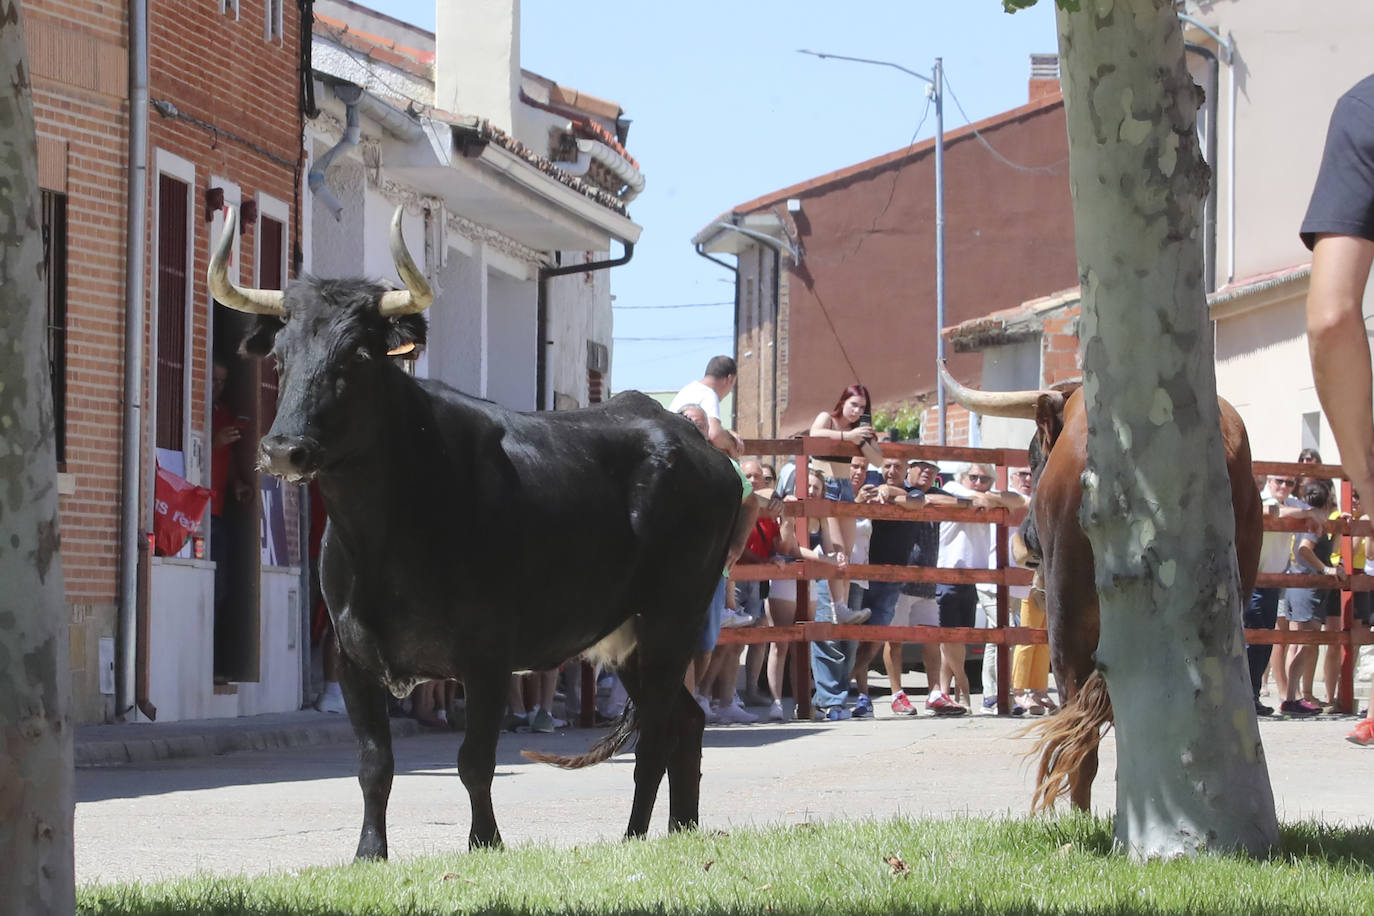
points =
(800, 635)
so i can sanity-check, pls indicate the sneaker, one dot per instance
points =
(542, 722)
(990, 705)
(1363, 735)
(1263, 709)
(332, 699)
(514, 723)
(863, 707)
(775, 711)
(849, 616)
(902, 706)
(1299, 708)
(942, 705)
(705, 705)
(730, 619)
(833, 714)
(730, 714)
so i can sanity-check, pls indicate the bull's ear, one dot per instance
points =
(1049, 420)
(407, 331)
(261, 336)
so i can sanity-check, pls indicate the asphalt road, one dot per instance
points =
(285, 809)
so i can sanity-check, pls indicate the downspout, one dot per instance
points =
(1209, 217)
(773, 344)
(349, 95)
(541, 358)
(701, 250)
(1228, 49)
(133, 547)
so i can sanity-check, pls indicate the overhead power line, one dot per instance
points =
(679, 305)
(684, 337)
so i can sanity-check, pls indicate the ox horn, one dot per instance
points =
(254, 301)
(1018, 404)
(417, 295)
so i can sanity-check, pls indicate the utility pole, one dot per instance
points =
(935, 91)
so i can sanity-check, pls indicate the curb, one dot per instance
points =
(211, 738)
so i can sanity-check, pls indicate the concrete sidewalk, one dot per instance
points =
(144, 742)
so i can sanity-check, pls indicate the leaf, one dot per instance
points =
(897, 865)
(709, 863)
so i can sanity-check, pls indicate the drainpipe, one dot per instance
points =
(132, 546)
(1209, 217)
(701, 250)
(541, 357)
(349, 95)
(1228, 54)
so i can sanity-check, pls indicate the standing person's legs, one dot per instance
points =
(881, 600)
(1030, 664)
(831, 663)
(987, 602)
(1261, 613)
(749, 600)
(1302, 615)
(957, 605)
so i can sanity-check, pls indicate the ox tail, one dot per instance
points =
(1066, 739)
(621, 732)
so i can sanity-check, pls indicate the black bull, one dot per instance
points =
(1067, 744)
(469, 541)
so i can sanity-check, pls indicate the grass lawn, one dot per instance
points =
(1062, 866)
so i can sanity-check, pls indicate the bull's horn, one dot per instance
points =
(417, 295)
(254, 301)
(1019, 404)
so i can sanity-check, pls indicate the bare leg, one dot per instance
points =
(892, 659)
(953, 654)
(780, 614)
(863, 657)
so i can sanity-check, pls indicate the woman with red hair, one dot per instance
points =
(851, 421)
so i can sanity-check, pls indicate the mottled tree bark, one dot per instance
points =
(36, 868)
(1191, 773)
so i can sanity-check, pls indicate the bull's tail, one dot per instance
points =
(622, 731)
(1066, 739)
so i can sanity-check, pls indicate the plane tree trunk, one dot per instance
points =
(36, 867)
(1191, 773)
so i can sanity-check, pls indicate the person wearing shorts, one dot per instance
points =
(1339, 228)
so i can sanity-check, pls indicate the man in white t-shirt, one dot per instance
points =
(707, 394)
(966, 545)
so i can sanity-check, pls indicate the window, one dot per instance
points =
(272, 30)
(173, 268)
(54, 206)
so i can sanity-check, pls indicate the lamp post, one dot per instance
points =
(935, 90)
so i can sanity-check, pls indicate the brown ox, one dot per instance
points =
(1054, 541)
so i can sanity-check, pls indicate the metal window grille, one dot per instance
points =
(173, 257)
(54, 206)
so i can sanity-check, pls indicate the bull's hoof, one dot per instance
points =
(370, 852)
(678, 824)
(480, 842)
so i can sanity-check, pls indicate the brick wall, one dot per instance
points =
(220, 71)
(212, 67)
(1060, 359)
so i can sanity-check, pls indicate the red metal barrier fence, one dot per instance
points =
(800, 635)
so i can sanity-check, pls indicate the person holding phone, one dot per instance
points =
(851, 421)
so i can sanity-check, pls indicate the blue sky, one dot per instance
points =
(724, 110)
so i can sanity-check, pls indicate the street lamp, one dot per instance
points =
(936, 93)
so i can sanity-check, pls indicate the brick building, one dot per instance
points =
(79, 68)
(223, 124)
(836, 275)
